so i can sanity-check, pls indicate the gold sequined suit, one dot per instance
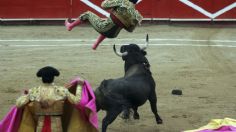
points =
(45, 101)
(123, 15)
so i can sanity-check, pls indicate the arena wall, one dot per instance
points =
(174, 10)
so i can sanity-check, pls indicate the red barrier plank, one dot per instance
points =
(79, 7)
(161, 8)
(228, 15)
(220, 6)
(180, 10)
(15, 8)
(206, 4)
(50, 9)
(145, 8)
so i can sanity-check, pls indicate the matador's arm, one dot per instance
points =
(23, 100)
(73, 99)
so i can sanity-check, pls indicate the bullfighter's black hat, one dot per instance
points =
(47, 73)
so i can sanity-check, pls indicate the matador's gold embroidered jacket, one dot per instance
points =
(49, 92)
(125, 11)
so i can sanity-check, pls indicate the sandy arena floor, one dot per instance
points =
(198, 59)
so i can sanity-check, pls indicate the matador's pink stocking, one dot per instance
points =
(70, 26)
(98, 41)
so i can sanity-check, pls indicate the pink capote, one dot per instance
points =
(222, 129)
(88, 102)
(11, 121)
(218, 125)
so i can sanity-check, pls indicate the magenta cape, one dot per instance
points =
(222, 129)
(88, 102)
(12, 120)
(218, 125)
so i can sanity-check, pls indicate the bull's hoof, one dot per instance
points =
(125, 116)
(136, 117)
(159, 121)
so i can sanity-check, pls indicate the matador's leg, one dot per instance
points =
(99, 24)
(70, 25)
(98, 41)
(106, 27)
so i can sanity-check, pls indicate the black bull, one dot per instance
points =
(130, 91)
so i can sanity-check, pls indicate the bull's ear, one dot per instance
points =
(104, 83)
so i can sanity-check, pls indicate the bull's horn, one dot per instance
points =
(118, 53)
(146, 44)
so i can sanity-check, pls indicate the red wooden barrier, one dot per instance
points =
(219, 4)
(212, 9)
(50, 8)
(180, 10)
(150, 9)
(15, 8)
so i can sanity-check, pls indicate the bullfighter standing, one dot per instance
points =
(53, 108)
(122, 15)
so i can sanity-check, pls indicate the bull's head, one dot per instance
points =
(133, 54)
(125, 49)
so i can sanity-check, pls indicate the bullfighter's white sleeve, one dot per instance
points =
(21, 101)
